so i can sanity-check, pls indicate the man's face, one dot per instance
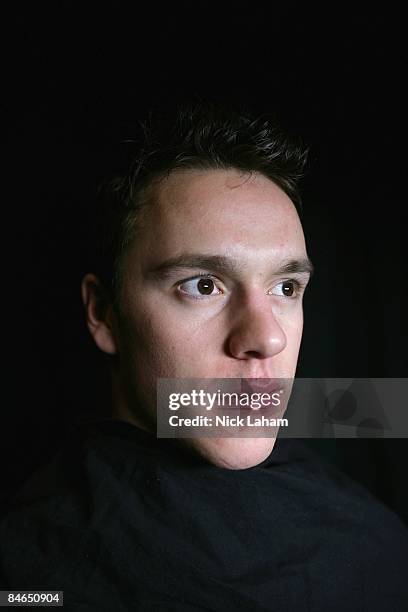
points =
(243, 319)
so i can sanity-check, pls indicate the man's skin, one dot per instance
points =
(249, 325)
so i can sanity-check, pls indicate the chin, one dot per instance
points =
(233, 453)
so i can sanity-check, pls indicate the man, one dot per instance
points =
(201, 271)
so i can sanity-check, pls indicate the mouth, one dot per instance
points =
(262, 385)
(272, 388)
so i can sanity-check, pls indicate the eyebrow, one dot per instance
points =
(220, 263)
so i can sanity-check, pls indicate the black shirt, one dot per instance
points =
(122, 521)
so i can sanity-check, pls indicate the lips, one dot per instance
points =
(261, 385)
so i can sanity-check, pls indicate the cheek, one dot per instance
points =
(298, 328)
(157, 346)
(291, 322)
(185, 349)
(293, 329)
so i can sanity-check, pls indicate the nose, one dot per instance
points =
(256, 333)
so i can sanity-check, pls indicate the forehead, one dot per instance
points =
(209, 211)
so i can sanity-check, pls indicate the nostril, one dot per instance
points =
(255, 354)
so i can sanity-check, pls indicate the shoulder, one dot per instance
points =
(47, 536)
(343, 501)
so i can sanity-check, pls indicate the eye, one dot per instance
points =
(288, 288)
(199, 287)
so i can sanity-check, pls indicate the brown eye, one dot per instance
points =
(199, 288)
(288, 288)
(205, 286)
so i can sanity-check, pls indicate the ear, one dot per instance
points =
(99, 314)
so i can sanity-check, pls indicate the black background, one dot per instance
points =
(76, 76)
